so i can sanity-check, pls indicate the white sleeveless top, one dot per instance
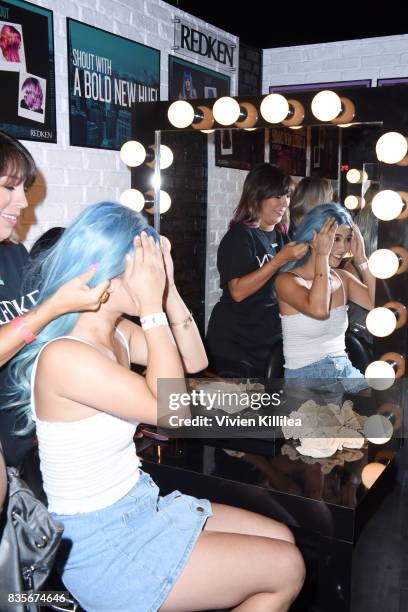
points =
(88, 464)
(307, 340)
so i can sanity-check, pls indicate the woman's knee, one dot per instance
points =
(296, 571)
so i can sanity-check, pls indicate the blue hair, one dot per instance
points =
(187, 76)
(103, 233)
(313, 222)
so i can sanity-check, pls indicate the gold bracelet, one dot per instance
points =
(185, 322)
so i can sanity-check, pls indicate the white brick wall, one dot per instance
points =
(347, 60)
(73, 177)
(224, 190)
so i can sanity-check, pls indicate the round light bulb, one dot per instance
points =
(132, 198)
(207, 131)
(326, 105)
(351, 202)
(383, 263)
(274, 108)
(132, 153)
(387, 205)
(378, 429)
(166, 157)
(380, 375)
(353, 176)
(381, 322)
(226, 110)
(165, 203)
(180, 114)
(391, 148)
(370, 473)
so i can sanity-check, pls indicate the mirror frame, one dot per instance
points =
(381, 105)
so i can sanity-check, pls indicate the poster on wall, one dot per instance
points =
(392, 81)
(312, 86)
(189, 81)
(27, 77)
(239, 149)
(107, 75)
(288, 150)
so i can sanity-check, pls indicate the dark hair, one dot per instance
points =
(262, 182)
(16, 160)
(46, 240)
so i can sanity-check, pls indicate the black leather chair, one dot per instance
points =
(274, 368)
(359, 352)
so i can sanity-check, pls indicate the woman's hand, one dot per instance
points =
(357, 245)
(322, 242)
(76, 296)
(168, 261)
(145, 276)
(292, 252)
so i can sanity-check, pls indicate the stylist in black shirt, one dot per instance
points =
(245, 323)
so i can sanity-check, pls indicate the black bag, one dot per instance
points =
(29, 542)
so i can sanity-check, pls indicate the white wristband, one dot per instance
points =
(363, 266)
(156, 319)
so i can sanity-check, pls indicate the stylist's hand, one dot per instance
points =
(291, 252)
(145, 276)
(76, 296)
(322, 242)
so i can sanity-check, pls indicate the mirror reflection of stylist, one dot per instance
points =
(245, 323)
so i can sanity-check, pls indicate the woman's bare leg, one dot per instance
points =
(242, 560)
(229, 519)
(247, 573)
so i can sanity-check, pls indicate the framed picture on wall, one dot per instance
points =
(288, 149)
(188, 81)
(393, 81)
(107, 75)
(311, 86)
(239, 149)
(27, 76)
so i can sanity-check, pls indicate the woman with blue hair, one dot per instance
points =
(188, 91)
(130, 548)
(313, 295)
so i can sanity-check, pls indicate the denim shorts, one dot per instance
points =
(331, 373)
(129, 555)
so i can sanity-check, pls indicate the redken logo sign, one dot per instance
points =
(190, 41)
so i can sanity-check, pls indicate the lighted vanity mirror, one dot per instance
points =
(206, 178)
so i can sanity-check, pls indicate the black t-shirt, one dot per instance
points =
(247, 329)
(13, 302)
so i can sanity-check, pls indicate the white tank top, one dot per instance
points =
(88, 464)
(307, 340)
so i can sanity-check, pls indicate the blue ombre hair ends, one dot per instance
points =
(103, 233)
(313, 222)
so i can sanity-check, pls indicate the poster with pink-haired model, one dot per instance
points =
(12, 56)
(32, 97)
(27, 75)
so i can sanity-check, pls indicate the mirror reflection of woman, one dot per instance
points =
(313, 296)
(245, 324)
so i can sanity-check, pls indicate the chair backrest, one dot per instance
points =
(358, 351)
(274, 368)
